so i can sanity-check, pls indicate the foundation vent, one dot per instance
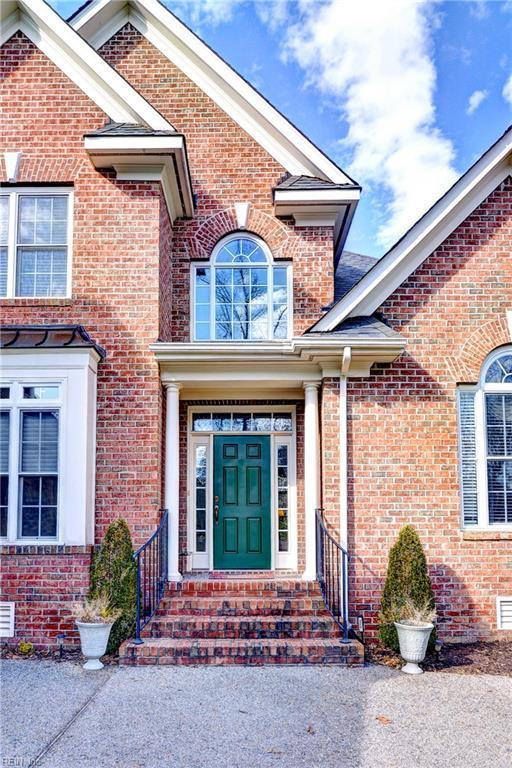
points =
(6, 619)
(504, 607)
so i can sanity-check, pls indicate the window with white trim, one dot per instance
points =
(29, 460)
(47, 445)
(35, 242)
(485, 435)
(241, 294)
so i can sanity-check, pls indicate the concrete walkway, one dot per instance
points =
(234, 717)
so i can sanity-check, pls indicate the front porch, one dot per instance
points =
(255, 442)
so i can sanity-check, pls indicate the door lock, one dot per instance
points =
(216, 510)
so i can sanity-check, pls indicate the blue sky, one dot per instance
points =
(403, 95)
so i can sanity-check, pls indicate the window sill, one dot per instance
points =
(487, 535)
(26, 301)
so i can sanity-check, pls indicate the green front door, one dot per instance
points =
(241, 498)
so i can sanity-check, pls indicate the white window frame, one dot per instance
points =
(279, 560)
(269, 265)
(480, 391)
(14, 194)
(74, 371)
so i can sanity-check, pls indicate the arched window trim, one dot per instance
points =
(474, 397)
(199, 325)
(224, 241)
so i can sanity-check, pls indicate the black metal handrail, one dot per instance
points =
(332, 574)
(151, 563)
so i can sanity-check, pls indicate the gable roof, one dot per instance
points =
(98, 20)
(79, 61)
(425, 236)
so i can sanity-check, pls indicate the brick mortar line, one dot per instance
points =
(42, 754)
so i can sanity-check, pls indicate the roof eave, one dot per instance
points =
(150, 158)
(425, 236)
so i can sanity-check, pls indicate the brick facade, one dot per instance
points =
(44, 582)
(131, 286)
(227, 166)
(403, 448)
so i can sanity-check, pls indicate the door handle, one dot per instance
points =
(216, 510)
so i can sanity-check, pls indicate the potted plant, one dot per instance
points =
(414, 627)
(94, 620)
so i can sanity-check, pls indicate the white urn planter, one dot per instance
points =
(413, 639)
(94, 639)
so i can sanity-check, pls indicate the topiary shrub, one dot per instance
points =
(407, 579)
(114, 577)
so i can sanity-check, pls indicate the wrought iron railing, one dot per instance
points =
(151, 563)
(332, 574)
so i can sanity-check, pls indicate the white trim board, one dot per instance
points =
(79, 61)
(425, 236)
(101, 19)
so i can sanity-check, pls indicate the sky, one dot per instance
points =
(404, 95)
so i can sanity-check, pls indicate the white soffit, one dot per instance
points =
(101, 19)
(425, 236)
(79, 61)
(148, 158)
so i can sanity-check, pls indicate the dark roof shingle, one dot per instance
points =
(309, 183)
(47, 337)
(351, 268)
(127, 129)
(369, 327)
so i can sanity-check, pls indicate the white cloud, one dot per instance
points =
(479, 10)
(474, 101)
(372, 60)
(199, 12)
(375, 60)
(507, 90)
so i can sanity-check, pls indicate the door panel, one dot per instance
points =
(241, 487)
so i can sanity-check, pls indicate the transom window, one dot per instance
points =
(242, 422)
(34, 243)
(485, 418)
(242, 295)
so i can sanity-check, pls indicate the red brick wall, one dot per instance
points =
(227, 166)
(403, 426)
(119, 230)
(44, 582)
(115, 283)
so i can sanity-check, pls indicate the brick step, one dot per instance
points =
(244, 627)
(251, 588)
(184, 651)
(242, 606)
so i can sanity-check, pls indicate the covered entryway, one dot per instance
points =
(232, 395)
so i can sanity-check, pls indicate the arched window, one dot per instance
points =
(241, 295)
(485, 417)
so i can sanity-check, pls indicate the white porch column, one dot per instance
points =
(311, 474)
(172, 476)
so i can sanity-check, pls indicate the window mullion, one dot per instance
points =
(481, 459)
(11, 245)
(12, 508)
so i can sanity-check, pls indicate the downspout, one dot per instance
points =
(345, 365)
